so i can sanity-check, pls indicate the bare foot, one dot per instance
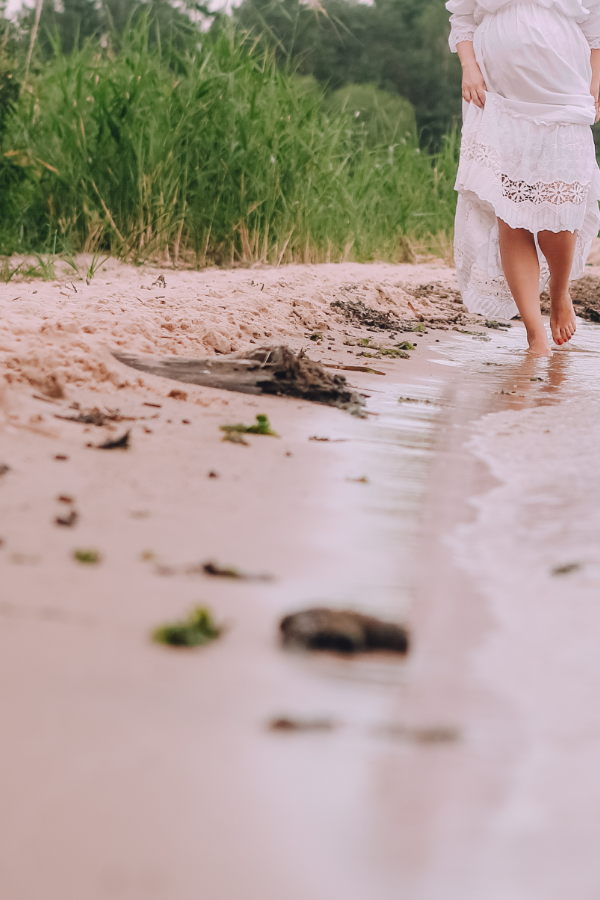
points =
(562, 318)
(539, 345)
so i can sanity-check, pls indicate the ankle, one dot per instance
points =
(560, 295)
(537, 337)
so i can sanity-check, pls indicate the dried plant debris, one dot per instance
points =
(446, 309)
(266, 370)
(430, 734)
(4, 469)
(287, 724)
(121, 443)
(69, 520)
(95, 416)
(235, 437)
(87, 556)
(434, 290)
(213, 569)
(341, 631)
(357, 313)
(262, 426)
(315, 437)
(585, 294)
(366, 369)
(566, 569)
(199, 628)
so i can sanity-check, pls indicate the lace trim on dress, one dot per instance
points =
(458, 34)
(557, 192)
(517, 191)
(554, 192)
(594, 43)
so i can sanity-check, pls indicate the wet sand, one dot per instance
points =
(138, 771)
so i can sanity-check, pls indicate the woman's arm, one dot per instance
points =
(595, 87)
(463, 27)
(473, 83)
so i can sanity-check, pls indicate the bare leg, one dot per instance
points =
(522, 271)
(559, 249)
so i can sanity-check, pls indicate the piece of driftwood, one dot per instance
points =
(265, 370)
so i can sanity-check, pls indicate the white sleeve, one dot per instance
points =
(591, 25)
(462, 21)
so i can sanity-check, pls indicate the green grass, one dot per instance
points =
(211, 156)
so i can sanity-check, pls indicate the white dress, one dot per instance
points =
(528, 157)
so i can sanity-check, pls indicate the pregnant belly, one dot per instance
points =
(536, 55)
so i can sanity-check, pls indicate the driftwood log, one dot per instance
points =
(266, 370)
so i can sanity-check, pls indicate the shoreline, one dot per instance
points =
(130, 761)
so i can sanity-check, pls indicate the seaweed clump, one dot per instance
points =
(262, 426)
(199, 628)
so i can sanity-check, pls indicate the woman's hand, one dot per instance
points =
(473, 86)
(473, 83)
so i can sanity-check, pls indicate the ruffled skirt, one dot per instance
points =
(528, 157)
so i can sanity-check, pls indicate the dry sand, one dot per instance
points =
(139, 772)
(63, 330)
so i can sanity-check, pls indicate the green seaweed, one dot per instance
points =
(88, 556)
(420, 328)
(316, 336)
(198, 629)
(395, 353)
(406, 345)
(492, 323)
(262, 426)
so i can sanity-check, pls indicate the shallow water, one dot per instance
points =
(501, 583)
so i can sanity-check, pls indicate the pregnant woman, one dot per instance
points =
(528, 181)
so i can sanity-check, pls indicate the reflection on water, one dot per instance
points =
(513, 379)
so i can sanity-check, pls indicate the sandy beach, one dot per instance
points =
(463, 504)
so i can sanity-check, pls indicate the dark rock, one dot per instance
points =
(341, 631)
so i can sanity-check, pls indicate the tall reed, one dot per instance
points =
(214, 155)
